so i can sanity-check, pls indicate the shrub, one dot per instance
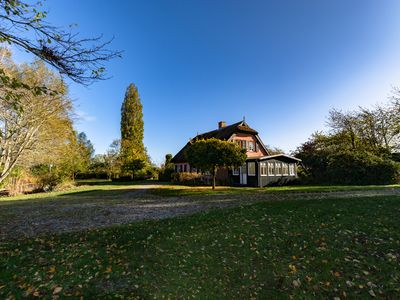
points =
(166, 174)
(361, 168)
(47, 179)
(64, 186)
(187, 178)
(20, 181)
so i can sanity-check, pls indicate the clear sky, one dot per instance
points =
(281, 64)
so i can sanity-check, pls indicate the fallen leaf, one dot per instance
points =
(296, 283)
(372, 293)
(57, 290)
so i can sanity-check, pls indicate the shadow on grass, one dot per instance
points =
(97, 191)
(91, 195)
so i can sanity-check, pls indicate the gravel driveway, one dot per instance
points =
(93, 209)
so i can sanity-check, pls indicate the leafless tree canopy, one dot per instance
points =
(80, 59)
(376, 129)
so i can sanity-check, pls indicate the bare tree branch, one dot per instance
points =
(80, 59)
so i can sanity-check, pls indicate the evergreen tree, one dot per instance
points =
(132, 131)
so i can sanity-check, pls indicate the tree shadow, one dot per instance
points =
(98, 182)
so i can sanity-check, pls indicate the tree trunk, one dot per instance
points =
(214, 175)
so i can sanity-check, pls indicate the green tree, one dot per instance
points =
(112, 159)
(359, 148)
(133, 153)
(211, 154)
(168, 158)
(134, 165)
(86, 149)
(274, 150)
(74, 160)
(167, 168)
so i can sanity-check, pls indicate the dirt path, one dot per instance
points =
(93, 209)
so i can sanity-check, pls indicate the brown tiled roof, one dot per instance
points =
(223, 133)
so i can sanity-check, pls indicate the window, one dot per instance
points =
(235, 172)
(291, 170)
(251, 146)
(263, 169)
(271, 169)
(184, 168)
(285, 169)
(278, 169)
(176, 168)
(251, 168)
(244, 144)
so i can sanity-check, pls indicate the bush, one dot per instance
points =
(361, 168)
(166, 174)
(48, 179)
(64, 186)
(187, 178)
(20, 181)
(92, 175)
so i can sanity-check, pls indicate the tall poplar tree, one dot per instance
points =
(132, 130)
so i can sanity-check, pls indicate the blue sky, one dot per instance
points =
(281, 64)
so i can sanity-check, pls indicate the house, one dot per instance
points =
(260, 169)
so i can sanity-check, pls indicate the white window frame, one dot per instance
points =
(287, 169)
(235, 172)
(248, 168)
(271, 165)
(251, 146)
(278, 169)
(263, 166)
(292, 170)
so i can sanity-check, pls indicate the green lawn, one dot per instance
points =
(306, 249)
(179, 190)
(170, 190)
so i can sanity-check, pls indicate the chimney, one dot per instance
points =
(221, 124)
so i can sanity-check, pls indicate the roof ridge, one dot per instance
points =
(218, 129)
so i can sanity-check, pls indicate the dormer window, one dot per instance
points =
(251, 146)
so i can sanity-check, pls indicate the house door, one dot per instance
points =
(243, 174)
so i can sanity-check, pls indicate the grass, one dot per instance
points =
(178, 190)
(302, 249)
(163, 189)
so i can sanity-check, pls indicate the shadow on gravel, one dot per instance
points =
(116, 183)
(93, 195)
